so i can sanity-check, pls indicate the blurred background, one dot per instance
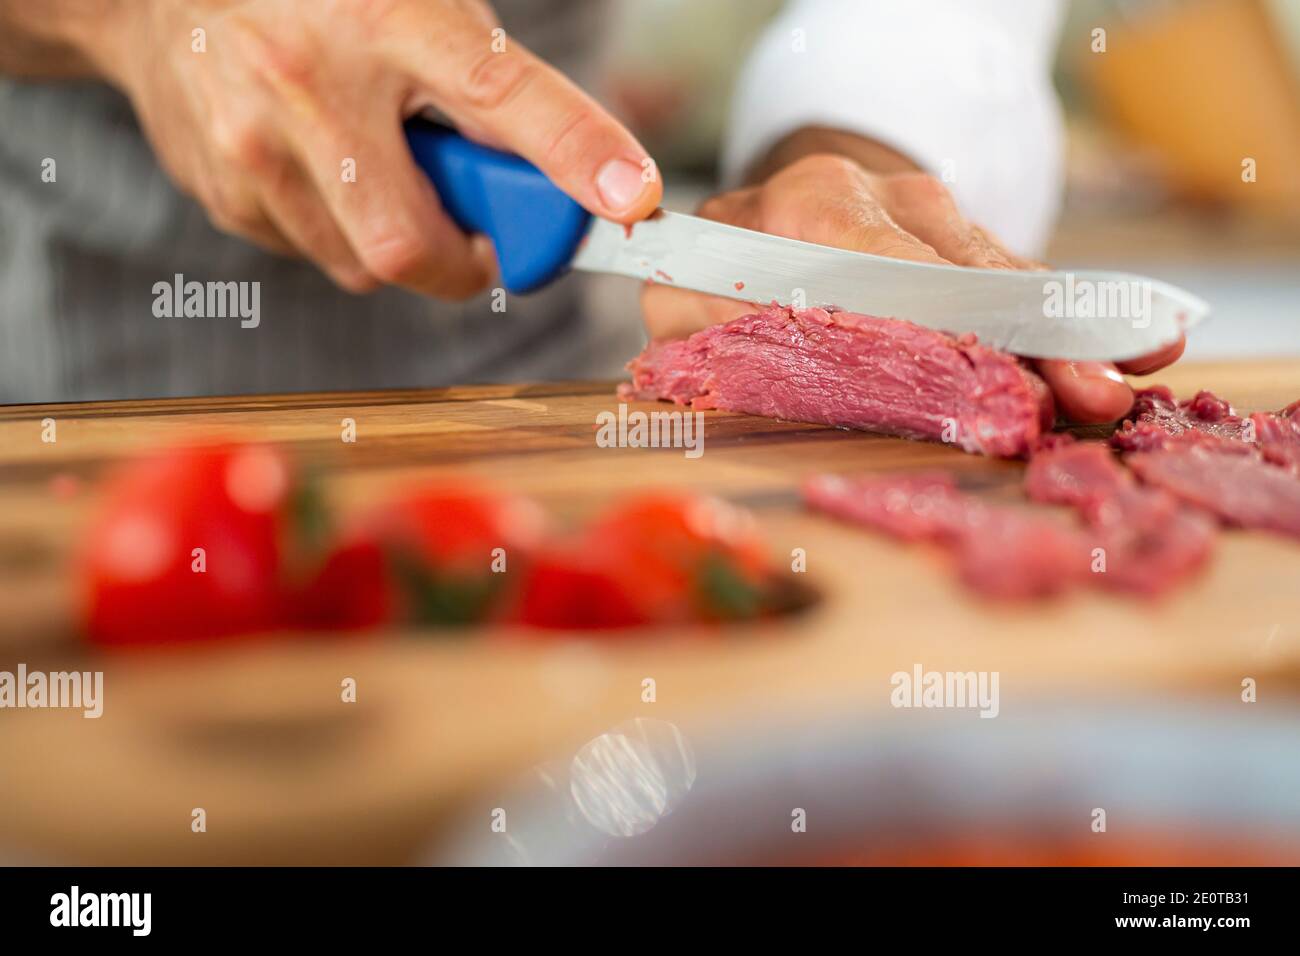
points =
(1159, 125)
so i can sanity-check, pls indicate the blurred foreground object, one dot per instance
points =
(1171, 783)
(189, 545)
(1211, 91)
(218, 540)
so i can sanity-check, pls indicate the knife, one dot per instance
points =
(539, 233)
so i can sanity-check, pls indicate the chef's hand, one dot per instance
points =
(830, 199)
(260, 126)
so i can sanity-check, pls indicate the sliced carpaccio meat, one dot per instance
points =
(925, 506)
(1245, 470)
(1151, 540)
(1278, 437)
(1135, 539)
(852, 371)
(1158, 419)
(1000, 551)
(1242, 489)
(1157, 416)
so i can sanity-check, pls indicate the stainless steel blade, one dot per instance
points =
(1068, 315)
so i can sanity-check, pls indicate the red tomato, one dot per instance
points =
(576, 587)
(698, 558)
(187, 546)
(350, 590)
(454, 550)
(655, 558)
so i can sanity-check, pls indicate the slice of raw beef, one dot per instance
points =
(1134, 539)
(1157, 416)
(1242, 489)
(1245, 470)
(1278, 437)
(852, 371)
(1000, 551)
(1150, 539)
(1157, 419)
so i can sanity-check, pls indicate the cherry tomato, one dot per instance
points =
(655, 558)
(575, 587)
(188, 546)
(350, 590)
(454, 550)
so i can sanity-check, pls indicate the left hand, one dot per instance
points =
(833, 201)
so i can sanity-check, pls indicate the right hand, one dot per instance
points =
(258, 126)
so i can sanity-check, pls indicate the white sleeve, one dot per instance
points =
(962, 87)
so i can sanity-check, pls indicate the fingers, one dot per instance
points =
(830, 200)
(1089, 393)
(1156, 360)
(497, 91)
(739, 207)
(389, 214)
(676, 313)
(294, 206)
(924, 207)
(671, 313)
(822, 198)
(247, 219)
(232, 206)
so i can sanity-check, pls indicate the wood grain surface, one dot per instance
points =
(256, 734)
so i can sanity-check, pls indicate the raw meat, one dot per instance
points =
(919, 507)
(1001, 552)
(1151, 540)
(852, 371)
(1157, 419)
(1244, 470)
(1135, 539)
(1242, 489)
(1278, 437)
(1157, 416)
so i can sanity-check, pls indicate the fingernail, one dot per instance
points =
(1096, 370)
(620, 185)
(485, 254)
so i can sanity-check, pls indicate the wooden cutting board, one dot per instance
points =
(257, 734)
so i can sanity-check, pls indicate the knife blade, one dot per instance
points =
(539, 233)
(1068, 315)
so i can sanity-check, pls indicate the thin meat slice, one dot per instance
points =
(1244, 470)
(1278, 437)
(1017, 554)
(1151, 540)
(1243, 490)
(1000, 551)
(1078, 474)
(852, 371)
(925, 506)
(1157, 419)
(1135, 539)
(1157, 416)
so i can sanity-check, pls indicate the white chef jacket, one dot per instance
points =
(962, 87)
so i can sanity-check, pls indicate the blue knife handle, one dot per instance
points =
(534, 227)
